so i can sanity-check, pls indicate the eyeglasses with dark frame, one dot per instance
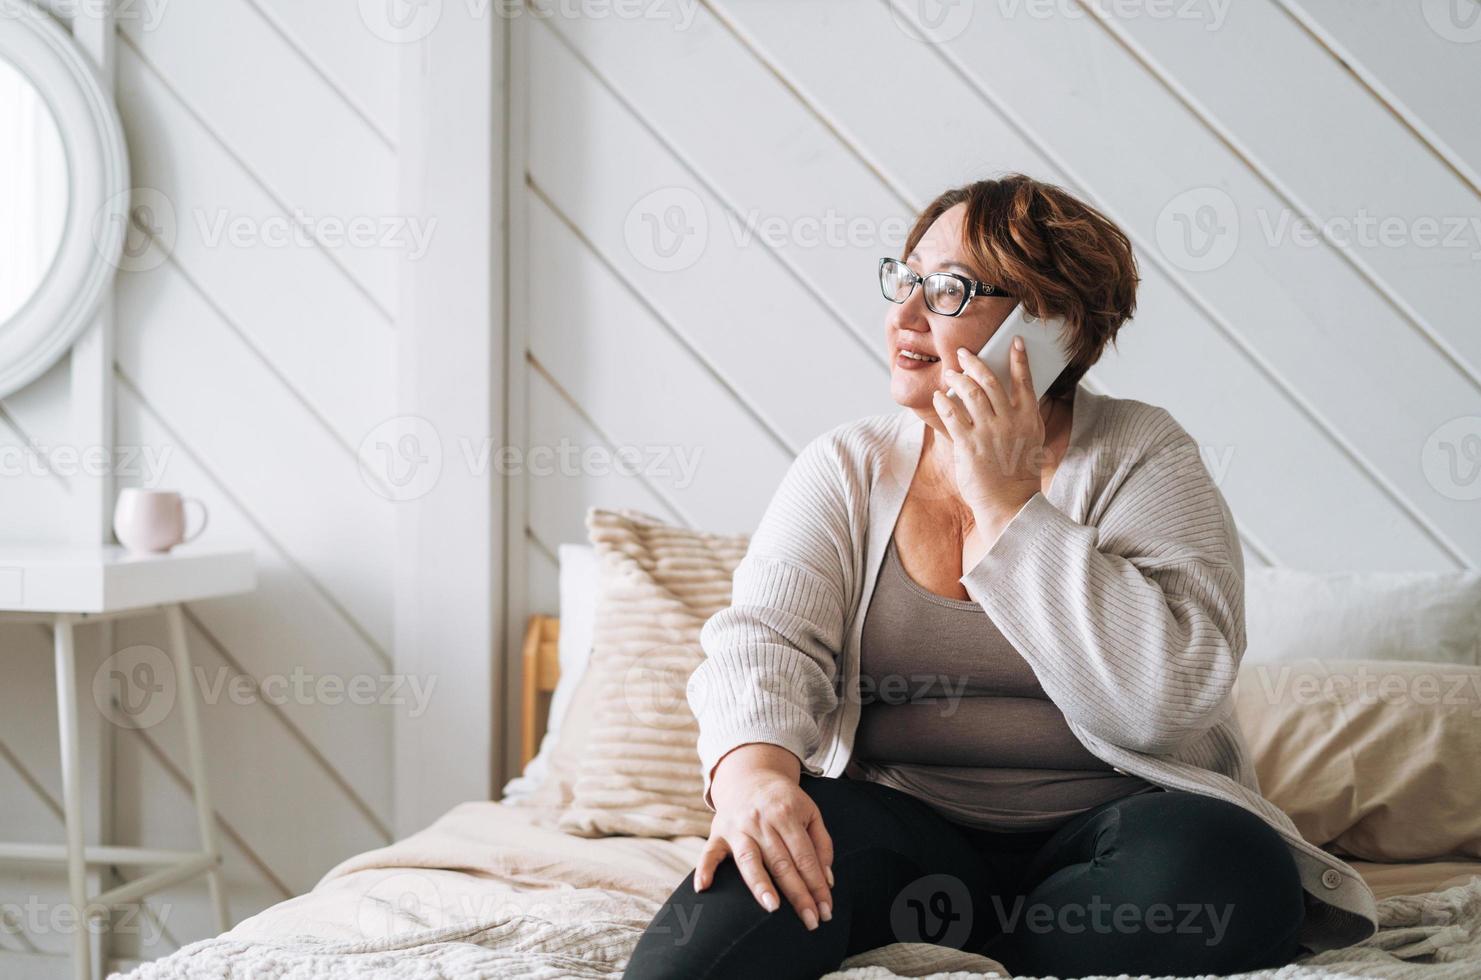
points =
(946, 293)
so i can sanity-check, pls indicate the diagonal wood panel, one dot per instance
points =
(1409, 225)
(40, 409)
(315, 152)
(1304, 291)
(735, 305)
(258, 365)
(284, 627)
(296, 307)
(847, 123)
(694, 444)
(158, 813)
(35, 497)
(1223, 349)
(334, 39)
(557, 514)
(1415, 57)
(251, 750)
(828, 222)
(210, 389)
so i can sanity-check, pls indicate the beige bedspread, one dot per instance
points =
(1388, 880)
(495, 891)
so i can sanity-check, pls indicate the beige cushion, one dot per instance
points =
(563, 764)
(1376, 759)
(639, 772)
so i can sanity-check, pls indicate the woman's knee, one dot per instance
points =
(723, 933)
(1224, 879)
(1198, 839)
(1169, 883)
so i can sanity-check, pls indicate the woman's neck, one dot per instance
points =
(936, 447)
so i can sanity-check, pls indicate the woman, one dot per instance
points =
(973, 688)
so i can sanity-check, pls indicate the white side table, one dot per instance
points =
(68, 586)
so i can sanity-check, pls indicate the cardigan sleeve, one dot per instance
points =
(1134, 626)
(771, 658)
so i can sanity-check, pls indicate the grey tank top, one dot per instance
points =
(954, 716)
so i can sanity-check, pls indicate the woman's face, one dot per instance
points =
(912, 329)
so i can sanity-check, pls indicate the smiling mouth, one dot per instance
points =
(927, 358)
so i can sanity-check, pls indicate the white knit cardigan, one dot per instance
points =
(1123, 588)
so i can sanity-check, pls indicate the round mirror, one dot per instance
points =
(64, 193)
(33, 189)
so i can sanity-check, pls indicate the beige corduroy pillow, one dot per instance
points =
(657, 584)
(1374, 759)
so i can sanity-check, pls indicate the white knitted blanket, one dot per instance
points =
(494, 891)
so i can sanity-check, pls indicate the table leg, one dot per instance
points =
(67, 724)
(190, 714)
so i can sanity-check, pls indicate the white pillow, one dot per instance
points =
(578, 599)
(1429, 616)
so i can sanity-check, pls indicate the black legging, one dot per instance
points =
(1159, 883)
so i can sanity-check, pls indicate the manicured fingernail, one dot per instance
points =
(1018, 343)
(828, 872)
(768, 901)
(826, 911)
(809, 919)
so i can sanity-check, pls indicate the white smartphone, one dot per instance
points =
(1043, 341)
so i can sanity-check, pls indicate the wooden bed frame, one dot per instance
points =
(542, 669)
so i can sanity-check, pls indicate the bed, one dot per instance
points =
(497, 890)
(560, 878)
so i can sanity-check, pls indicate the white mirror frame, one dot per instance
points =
(92, 238)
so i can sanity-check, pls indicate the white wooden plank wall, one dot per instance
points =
(698, 192)
(705, 186)
(251, 360)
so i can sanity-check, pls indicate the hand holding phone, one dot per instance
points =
(1043, 342)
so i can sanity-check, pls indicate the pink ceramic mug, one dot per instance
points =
(153, 520)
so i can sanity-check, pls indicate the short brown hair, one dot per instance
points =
(1057, 255)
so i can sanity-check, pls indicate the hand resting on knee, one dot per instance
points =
(773, 830)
